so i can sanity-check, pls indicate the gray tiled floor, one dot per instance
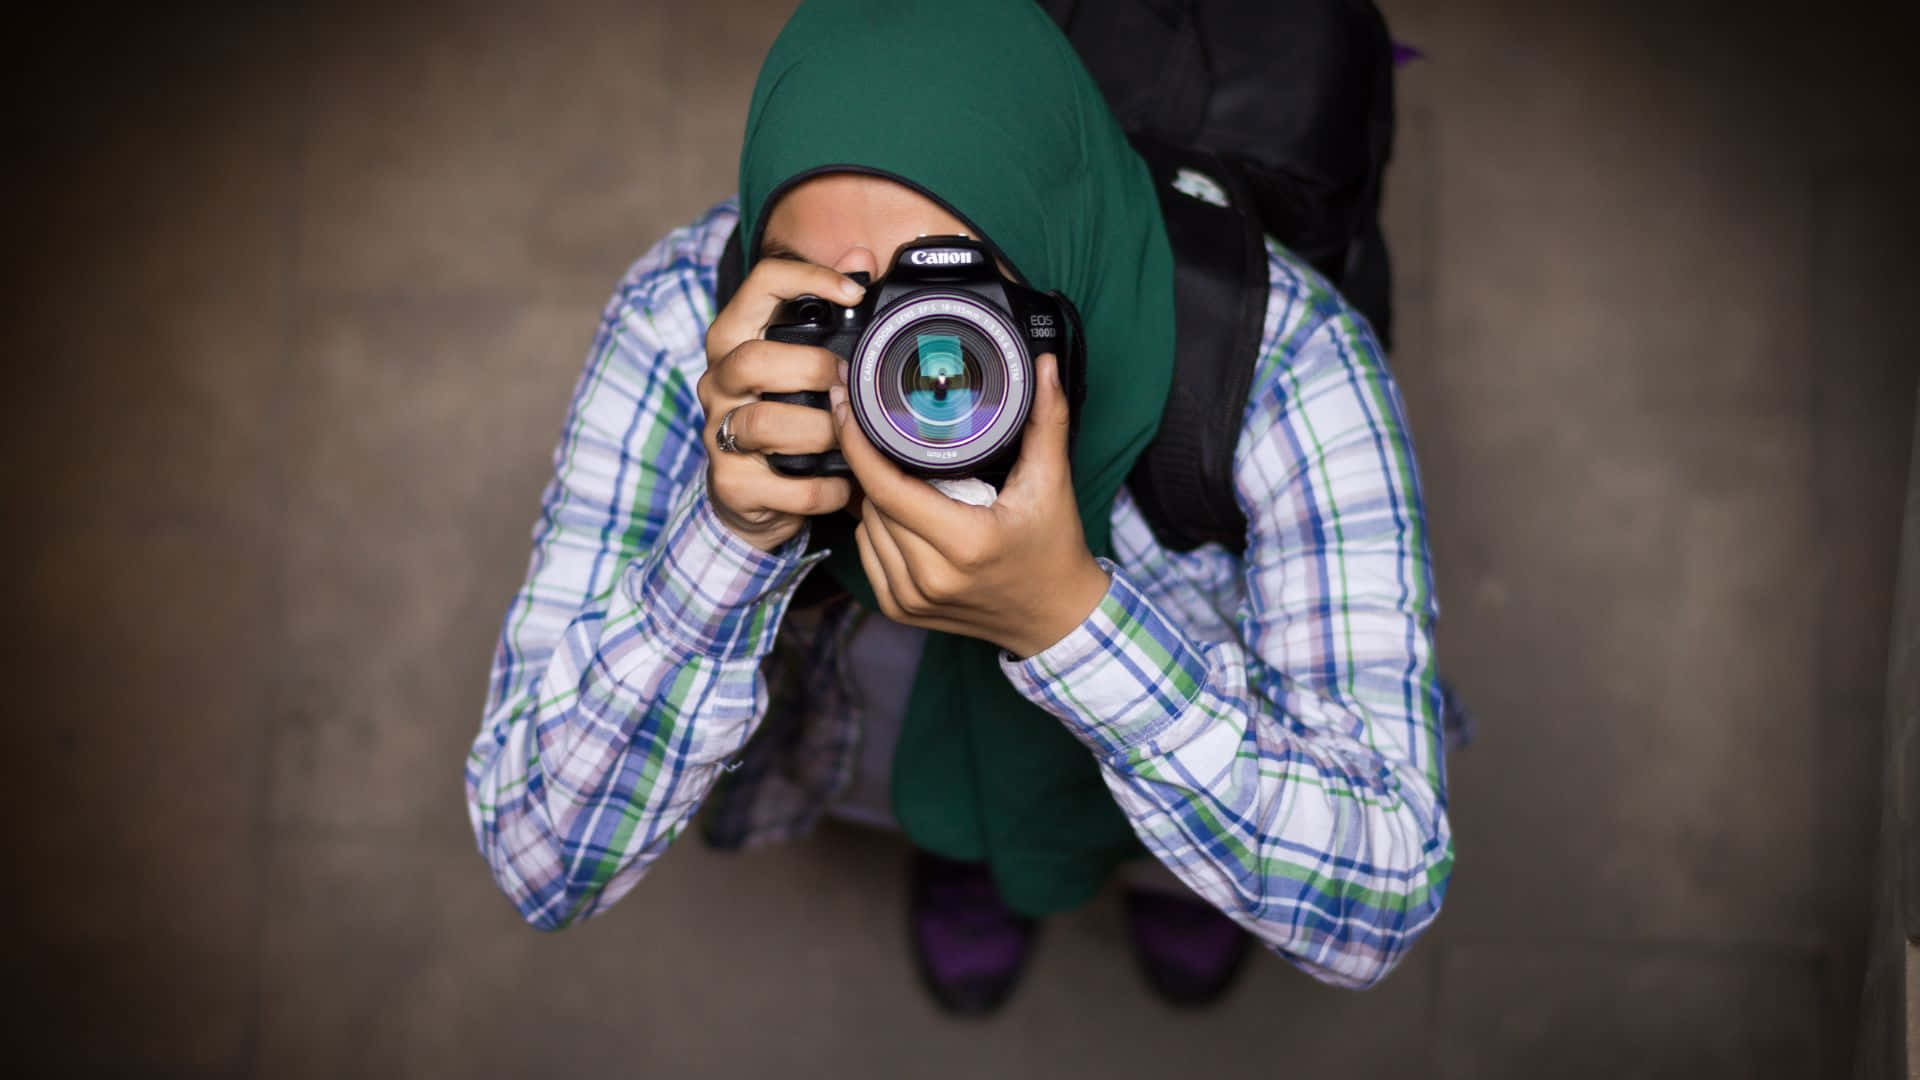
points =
(298, 302)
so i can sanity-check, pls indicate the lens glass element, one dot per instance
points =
(941, 382)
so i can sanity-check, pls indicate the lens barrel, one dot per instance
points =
(941, 382)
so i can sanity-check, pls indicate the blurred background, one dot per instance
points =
(296, 299)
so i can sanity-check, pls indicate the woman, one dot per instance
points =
(1035, 691)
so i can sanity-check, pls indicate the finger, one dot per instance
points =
(773, 367)
(933, 577)
(1043, 449)
(775, 427)
(770, 283)
(906, 499)
(885, 591)
(906, 589)
(747, 485)
(876, 574)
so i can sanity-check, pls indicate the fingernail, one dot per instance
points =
(843, 369)
(851, 289)
(837, 396)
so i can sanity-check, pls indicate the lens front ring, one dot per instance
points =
(996, 367)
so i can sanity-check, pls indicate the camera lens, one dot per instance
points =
(942, 382)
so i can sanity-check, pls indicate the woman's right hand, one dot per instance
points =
(761, 506)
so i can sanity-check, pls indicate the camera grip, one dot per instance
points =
(830, 463)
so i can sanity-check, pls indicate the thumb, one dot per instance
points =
(1044, 450)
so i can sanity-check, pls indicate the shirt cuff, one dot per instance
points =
(712, 593)
(1120, 677)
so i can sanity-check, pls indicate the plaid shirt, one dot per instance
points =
(1270, 724)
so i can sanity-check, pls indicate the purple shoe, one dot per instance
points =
(1188, 950)
(969, 946)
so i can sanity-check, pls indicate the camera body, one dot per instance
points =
(941, 361)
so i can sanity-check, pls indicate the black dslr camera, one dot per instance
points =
(940, 359)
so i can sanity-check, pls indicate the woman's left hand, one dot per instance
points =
(1017, 573)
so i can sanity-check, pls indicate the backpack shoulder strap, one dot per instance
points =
(1183, 482)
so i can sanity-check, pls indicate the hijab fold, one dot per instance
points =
(984, 107)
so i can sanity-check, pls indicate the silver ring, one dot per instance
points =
(726, 438)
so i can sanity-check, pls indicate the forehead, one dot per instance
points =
(821, 218)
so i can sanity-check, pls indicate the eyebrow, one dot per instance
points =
(774, 249)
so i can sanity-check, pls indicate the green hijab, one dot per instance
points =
(984, 107)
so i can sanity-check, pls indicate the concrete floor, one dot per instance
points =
(296, 306)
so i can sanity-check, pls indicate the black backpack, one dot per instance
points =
(1255, 118)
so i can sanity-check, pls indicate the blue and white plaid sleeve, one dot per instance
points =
(1292, 774)
(628, 667)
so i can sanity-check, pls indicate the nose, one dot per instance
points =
(858, 259)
